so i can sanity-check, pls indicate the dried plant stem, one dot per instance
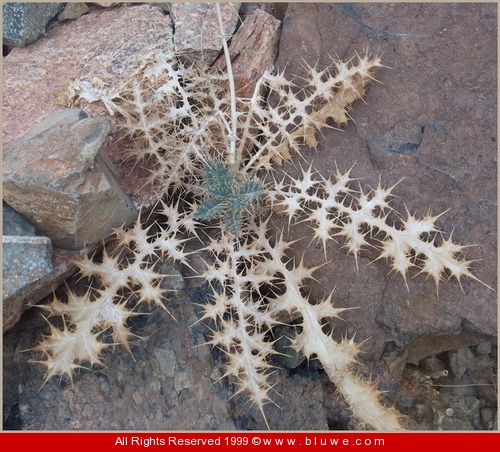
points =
(233, 161)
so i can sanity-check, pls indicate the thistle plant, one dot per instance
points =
(214, 158)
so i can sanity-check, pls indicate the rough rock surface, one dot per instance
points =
(26, 22)
(107, 43)
(172, 382)
(26, 259)
(253, 50)
(67, 191)
(430, 128)
(197, 32)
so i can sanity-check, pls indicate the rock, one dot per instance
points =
(430, 128)
(432, 363)
(197, 32)
(277, 10)
(466, 408)
(460, 361)
(25, 261)
(106, 4)
(24, 23)
(299, 392)
(253, 51)
(73, 11)
(108, 44)
(14, 224)
(288, 357)
(33, 289)
(488, 416)
(484, 348)
(168, 384)
(57, 179)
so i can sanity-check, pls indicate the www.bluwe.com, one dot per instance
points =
(246, 440)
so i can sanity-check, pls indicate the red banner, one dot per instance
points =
(273, 440)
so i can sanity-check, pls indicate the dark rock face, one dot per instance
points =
(428, 126)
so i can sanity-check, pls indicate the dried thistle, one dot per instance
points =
(185, 126)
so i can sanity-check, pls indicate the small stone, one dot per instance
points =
(137, 398)
(432, 363)
(172, 279)
(484, 348)
(488, 416)
(167, 361)
(459, 361)
(56, 178)
(290, 358)
(452, 424)
(73, 11)
(465, 407)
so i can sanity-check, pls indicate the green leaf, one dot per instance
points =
(219, 180)
(233, 221)
(209, 209)
(250, 191)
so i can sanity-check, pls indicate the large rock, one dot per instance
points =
(107, 44)
(253, 50)
(57, 179)
(197, 31)
(430, 125)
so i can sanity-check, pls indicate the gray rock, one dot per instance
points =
(488, 416)
(25, 22)
(25, 260)
(452, 424)
(460, 361)
(73, 11)
(197, 33)
(57, 178)
(13, 223)
(465, 407)
(290, 358)
(484, 348)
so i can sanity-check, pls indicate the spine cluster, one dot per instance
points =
(181, 126)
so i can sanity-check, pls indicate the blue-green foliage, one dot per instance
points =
(227, 197)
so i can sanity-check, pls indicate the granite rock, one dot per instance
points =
(197, 33)
(108, 44)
